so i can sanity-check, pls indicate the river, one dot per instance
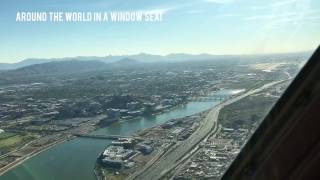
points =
(75, 159)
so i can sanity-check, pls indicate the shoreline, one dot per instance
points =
(22, 159)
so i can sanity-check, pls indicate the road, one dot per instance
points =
(209, 124)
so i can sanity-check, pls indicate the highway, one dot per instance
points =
(163, 165)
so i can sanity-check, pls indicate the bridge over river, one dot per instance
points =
(100, 136)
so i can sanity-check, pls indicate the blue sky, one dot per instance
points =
(188, 26)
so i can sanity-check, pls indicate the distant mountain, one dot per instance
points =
(4, 66)
(142, 57)
(126, 61)
(59, 69)
(177, 57)
(26, 62)
(56, 67)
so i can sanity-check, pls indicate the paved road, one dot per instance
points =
(167, 162)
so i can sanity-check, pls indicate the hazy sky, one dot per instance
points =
(189, 26)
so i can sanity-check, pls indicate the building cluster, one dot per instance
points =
(132, 109)
(117, 157)
(31, 113)
(125, 153)
(180, 130)
(214, 155)
(120, 153)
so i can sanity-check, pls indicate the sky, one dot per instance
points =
(188, 26)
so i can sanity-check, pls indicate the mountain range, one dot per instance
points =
(142, 58)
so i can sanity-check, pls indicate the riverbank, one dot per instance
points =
(32, 154)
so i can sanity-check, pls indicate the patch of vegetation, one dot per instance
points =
(6, 135)
(14, 141)
(246, 112)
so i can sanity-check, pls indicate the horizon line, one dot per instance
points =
(162, 55)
